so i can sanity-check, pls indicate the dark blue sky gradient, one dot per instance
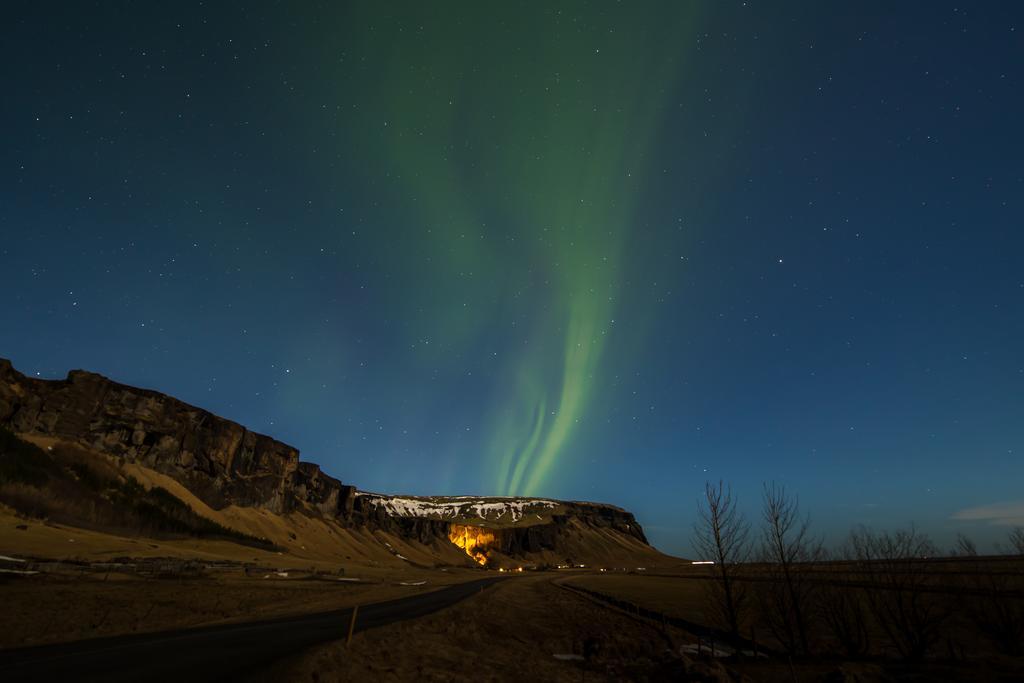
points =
(821, 280)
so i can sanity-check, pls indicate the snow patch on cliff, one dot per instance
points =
(461, 506)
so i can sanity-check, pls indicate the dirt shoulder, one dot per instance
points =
(512, 631)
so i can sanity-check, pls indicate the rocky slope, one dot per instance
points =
(220, 461)
(223, 464)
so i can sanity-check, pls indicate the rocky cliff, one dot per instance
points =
(223, 464)
(514, 527)
(220, 461)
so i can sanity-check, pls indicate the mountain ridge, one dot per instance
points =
(225, 464)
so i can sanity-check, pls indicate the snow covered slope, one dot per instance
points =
(496, 510)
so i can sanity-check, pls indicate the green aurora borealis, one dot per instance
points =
(520, 136)
(580, 250)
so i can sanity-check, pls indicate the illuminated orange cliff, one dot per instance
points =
(473, 539)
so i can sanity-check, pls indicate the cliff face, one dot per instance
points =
(223, 463)
(220, 461)
(515, 527)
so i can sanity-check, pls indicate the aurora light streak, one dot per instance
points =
(561, 114)
(581, 250)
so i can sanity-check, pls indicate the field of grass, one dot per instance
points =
(72, 603)
(512, 631)
(670, 595)
(965, 609)
(66, 513)
(530, 628)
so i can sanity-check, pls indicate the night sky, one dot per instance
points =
(603, 251)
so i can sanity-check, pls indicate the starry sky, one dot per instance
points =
(599, 251)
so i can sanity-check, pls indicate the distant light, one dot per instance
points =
(703, 562)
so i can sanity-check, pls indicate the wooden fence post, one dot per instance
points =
(352, 625)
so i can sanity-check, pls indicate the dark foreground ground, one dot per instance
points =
(534, 629)
(219, 653)
(531, 627)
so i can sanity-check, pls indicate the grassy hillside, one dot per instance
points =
(67, 485)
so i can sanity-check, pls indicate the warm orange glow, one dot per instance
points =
(473, 539)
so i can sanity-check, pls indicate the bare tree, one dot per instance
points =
(964, 547)
(1017, 540)
(995, 606)
(721, 534)
(788, 550)
(841, 606)
(895, 566)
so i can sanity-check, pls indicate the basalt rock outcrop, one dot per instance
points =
(520, 541)
(531, 539)
(223, 463)
(220, 461)
(513, 527)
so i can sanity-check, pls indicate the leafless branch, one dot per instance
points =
(722, 535)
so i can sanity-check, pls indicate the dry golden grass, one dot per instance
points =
(509, 632)
(672, 596)
(303, 538)
(512, 631)
(69, 606)
(89, 606)
(962, 652)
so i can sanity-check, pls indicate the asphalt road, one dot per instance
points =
(214, 653)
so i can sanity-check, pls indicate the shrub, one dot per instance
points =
(24, 462)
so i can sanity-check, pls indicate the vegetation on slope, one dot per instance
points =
(68, 485)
